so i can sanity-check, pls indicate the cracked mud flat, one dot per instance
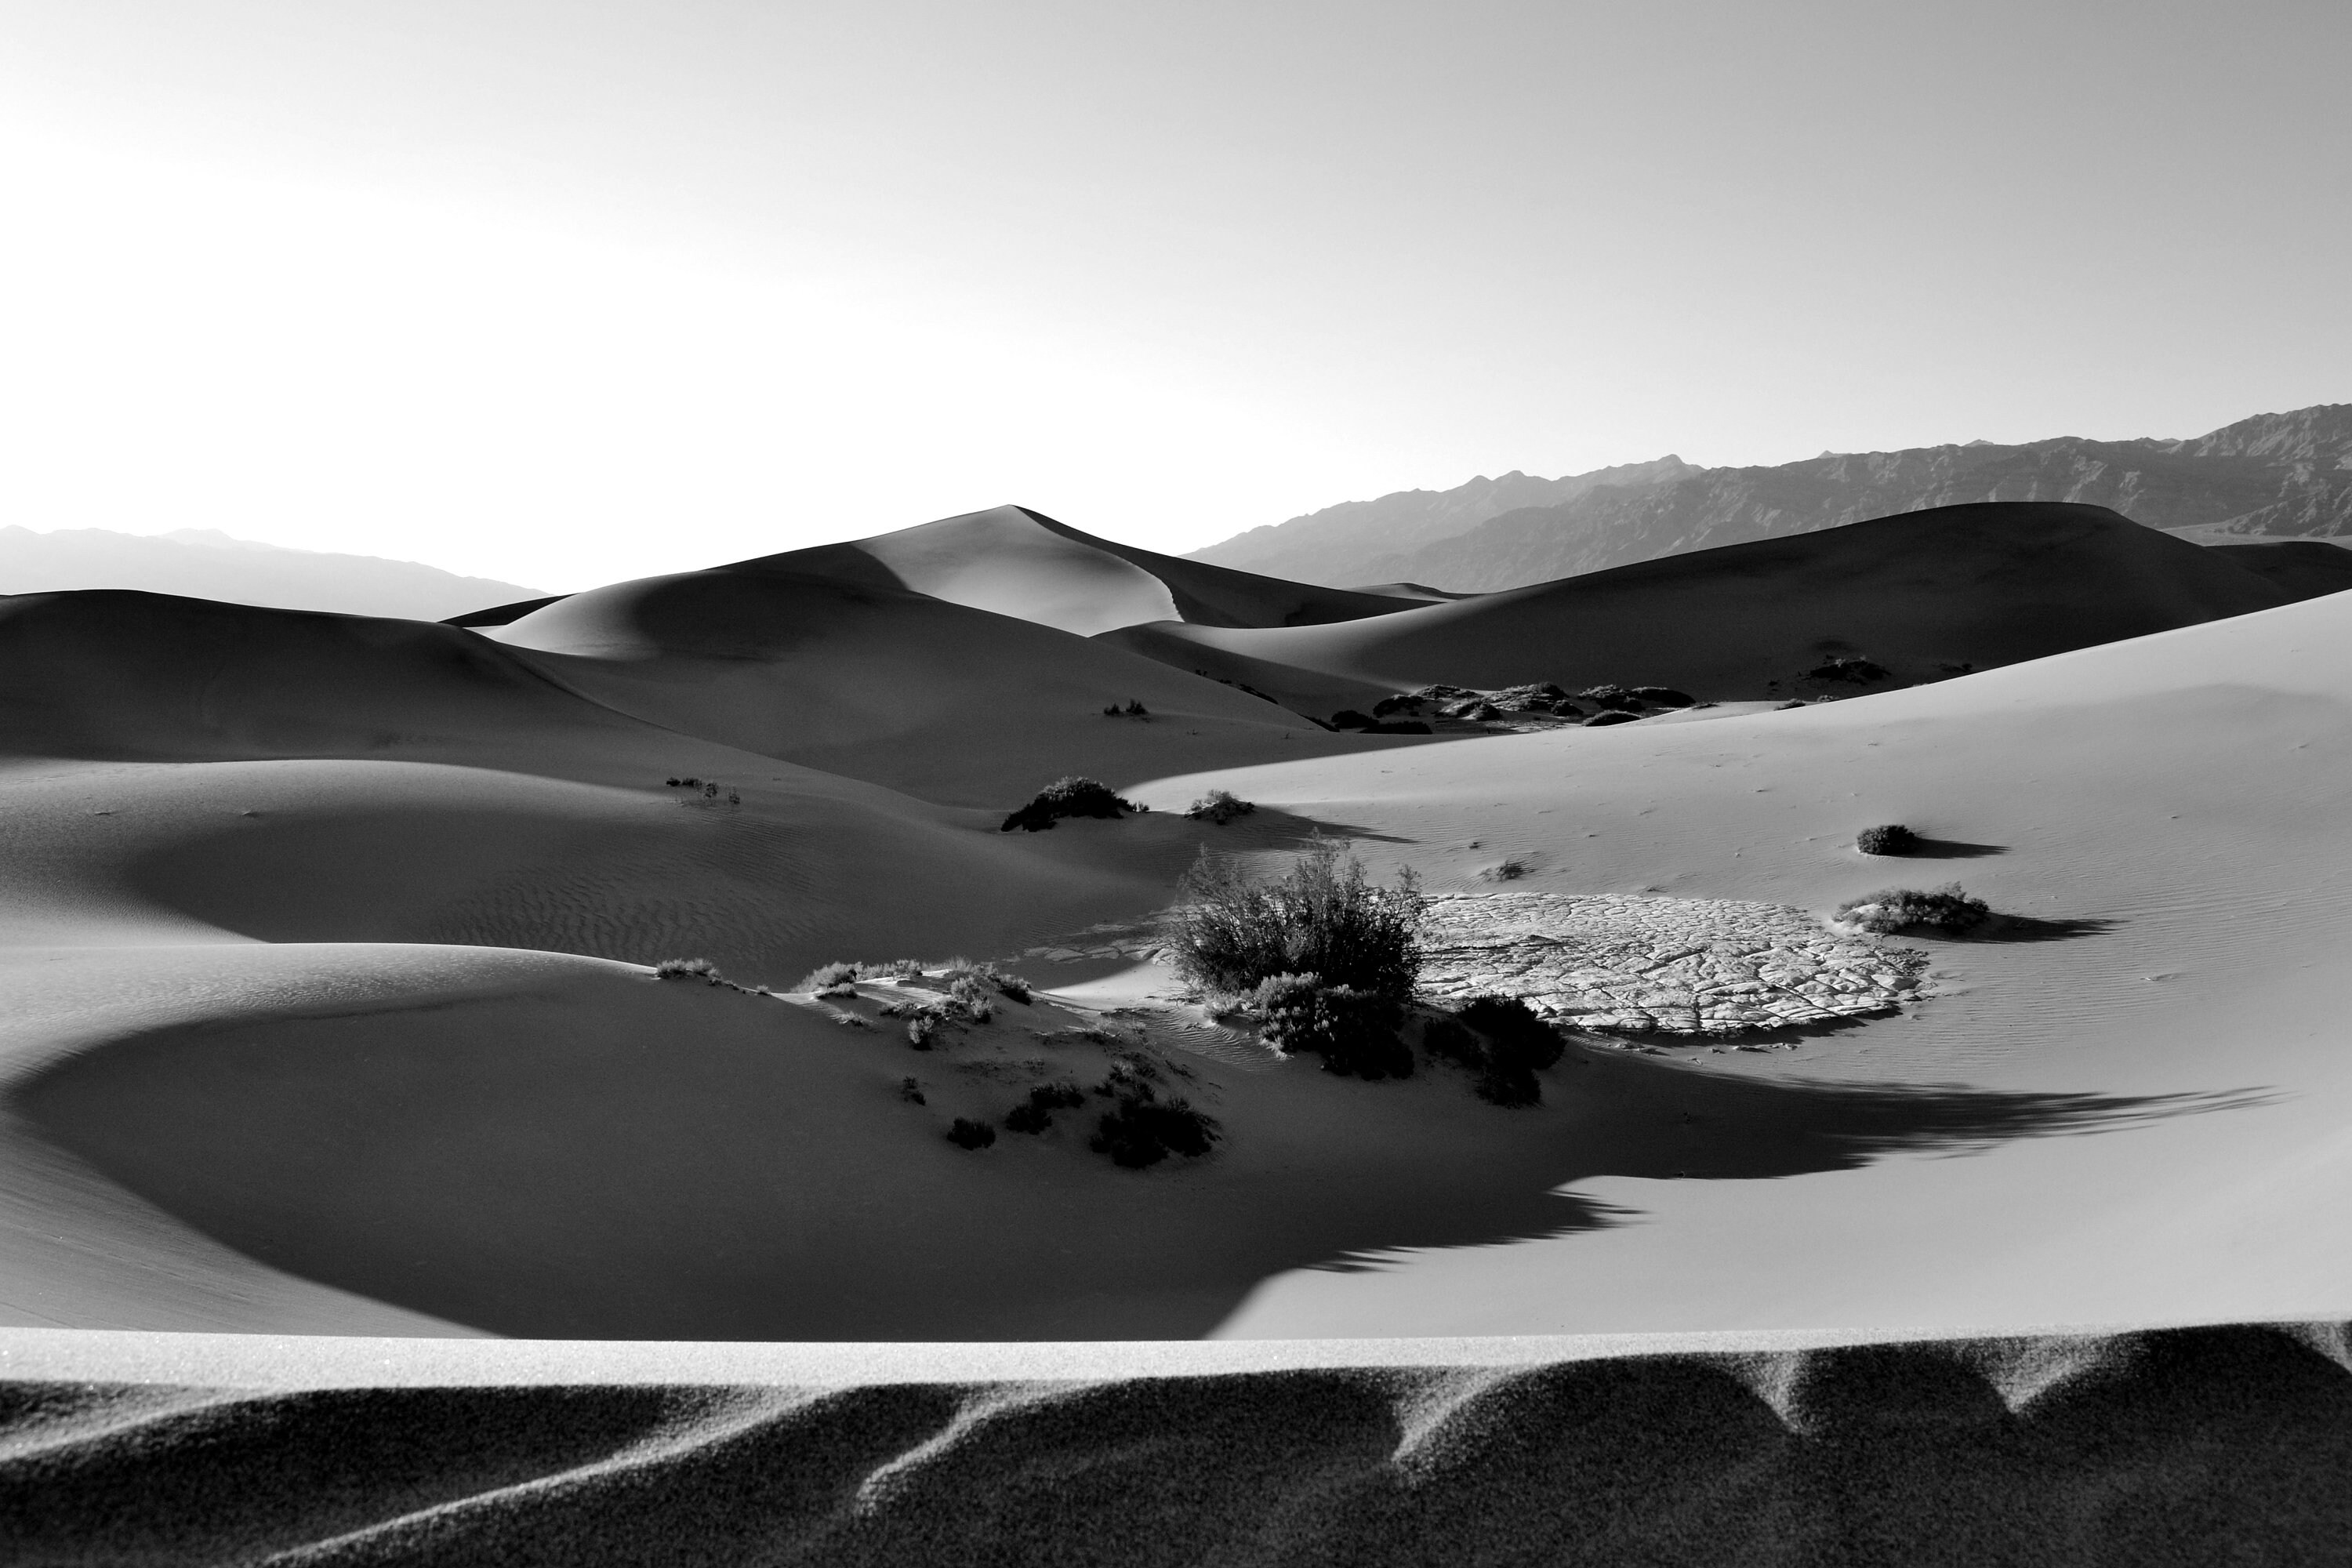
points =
(1675, 966)
(1630, 966)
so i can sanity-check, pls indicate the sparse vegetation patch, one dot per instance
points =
(966, 1133)
(700, 969)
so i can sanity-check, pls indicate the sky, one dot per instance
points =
(564, 291)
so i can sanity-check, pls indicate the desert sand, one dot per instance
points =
(328, 961)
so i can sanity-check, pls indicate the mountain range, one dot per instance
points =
(2272, 476)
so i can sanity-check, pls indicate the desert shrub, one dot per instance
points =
(1609, 716)
(910, 1091)
(1901, 908)
(1321, 917)
(966, 1133)
(971, 998)
(1027, 1118)
(1143, 1130)
(1622, 697)
(1355, 1032)
(1662, 696)
(1220, 806)
(1856, 670)
(1349, 719)
(1509, 871)
(687, 969)
(1071, 797)
(1893, 838)
(825, 977)
(1399, 704)
(1566, 709)
(921, 1028)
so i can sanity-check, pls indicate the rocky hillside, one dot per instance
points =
(2277, 475)
(1328, 546)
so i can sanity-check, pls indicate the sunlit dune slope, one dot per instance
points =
(2163, 816)
(1923, 595)
(1020, 562)
(876, 683)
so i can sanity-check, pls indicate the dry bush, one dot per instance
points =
(1321, 918)
(700, 969)
(1947, 907)
(1070, 797)
(1893, 838)
(1355, 1032)
(1220, 806)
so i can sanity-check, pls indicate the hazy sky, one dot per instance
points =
(579, 289)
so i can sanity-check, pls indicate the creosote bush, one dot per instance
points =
(1322, 918)
(966, 1133)
(1355, 1032)
(1220, 806)
(1893, 838)
(700, 969)
(1903, 909)
(1071, 797)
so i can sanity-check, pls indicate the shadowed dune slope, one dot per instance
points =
(1020, 562)
(2183, 1447)
(878, 682)
(120, 674)
(1921, 595)
(2304, 568)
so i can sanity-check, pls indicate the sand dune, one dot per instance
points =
(949, 702)
(2185, 1446)
(1020, 562)
(1922, 594)
(2164, 814)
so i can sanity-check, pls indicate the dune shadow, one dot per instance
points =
(1951, 849)
(527, 1236)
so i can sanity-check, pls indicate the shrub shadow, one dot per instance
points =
(1950, 849)
(2027, 928)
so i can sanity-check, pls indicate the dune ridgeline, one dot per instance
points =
(667, 963)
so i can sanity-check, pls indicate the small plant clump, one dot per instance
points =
(985, 977)
(1228, 936)
(1142, 1129)
(700, 969)
(1071, 797)
(1355, 1032)
(1903, 909)
(966, 1133)
(1219, 808)
(1892, 838)
(910, 1090)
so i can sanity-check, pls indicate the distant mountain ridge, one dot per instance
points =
(2272, 476)
(204, 563)
(1393, 527)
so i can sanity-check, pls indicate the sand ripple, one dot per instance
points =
(2156, 1446)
